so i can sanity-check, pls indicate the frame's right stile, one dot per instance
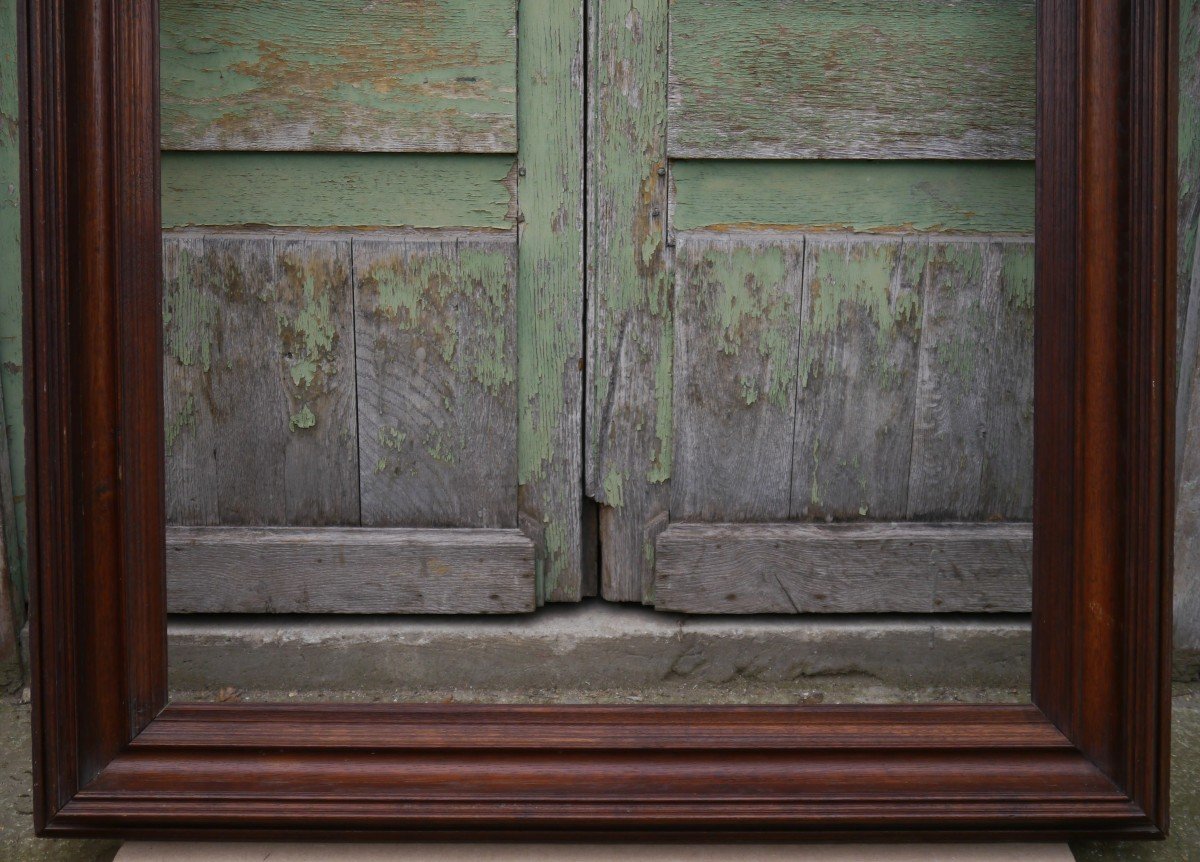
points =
(1090, 757)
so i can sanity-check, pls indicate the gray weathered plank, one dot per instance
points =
(852, 79)
(627, 460)
(11, 674)
(339, 75)
(348, 570)
(844, 568)
(857, 376)
(550, 294)
(1006, 474)
(259, 378)
(737, 327)
(436, 356)
(956, 356)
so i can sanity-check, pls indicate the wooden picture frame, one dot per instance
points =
(1088, 757)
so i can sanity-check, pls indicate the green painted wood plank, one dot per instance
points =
(876, 196)
(10, 288)
(436, 75)
(550, 295)
(336, 189)
(852, 79)
(630, 326)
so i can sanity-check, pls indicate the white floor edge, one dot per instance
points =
(193, 852)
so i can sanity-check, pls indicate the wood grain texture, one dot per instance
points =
(843, 568)
(628, 446)
(889, 196)
(737, 330)
(435, 325)
(550, 294)
(1187, 423)
(336, 189)
(343, 75)
(976, 317)
(850, 79)
(12, 675)
(348, 570)
(857, 377)
(260, 385)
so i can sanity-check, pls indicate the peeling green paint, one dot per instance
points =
(865, 196)
(614, 489)
(189, 317)
(304, 419)
(342, 189)
(746, 299)
(339, 75)
(431, 294)
(841, 284)
(852, 78)
(184, 420)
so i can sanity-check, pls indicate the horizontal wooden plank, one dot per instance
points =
(875, 196)
(336, 189)
(348, 570)
(843, 568)
(340, 74)
(852, 79)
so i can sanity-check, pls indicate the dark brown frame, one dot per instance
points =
(1089, 758)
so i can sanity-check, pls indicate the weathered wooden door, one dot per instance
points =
(808, 294)
(810, 301)
(373, 304)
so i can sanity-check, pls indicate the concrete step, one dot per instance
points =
(597, 652)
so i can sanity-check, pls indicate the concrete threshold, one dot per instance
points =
(597, 652)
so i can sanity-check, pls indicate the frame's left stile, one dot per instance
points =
(1088, 758)
(93, 323)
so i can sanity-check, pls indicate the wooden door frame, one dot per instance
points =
(1089, 757)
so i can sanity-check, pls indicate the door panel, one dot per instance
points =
(342, 75)
(851, 320)
(374, 363)
(861, 79)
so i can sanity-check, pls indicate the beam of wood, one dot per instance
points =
(321, 190)
(259, 380)
(436, 357)
(857, 376)
(627, 460)
(550, 293)
(339, 75)
(348, 570)
(879, 79)
(861, 196)
(737, 330)
(973, 430)
(843, 568)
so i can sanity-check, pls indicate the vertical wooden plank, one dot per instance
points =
(260, 404)
(857, 376)
(436, 357)
(956, 357)
(11, 675)
(737, 327)
(190, 321)
(1187, 434)
(628, 457)
(1006, 479)
(550, 292)
(315, 326)
(12, 382)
